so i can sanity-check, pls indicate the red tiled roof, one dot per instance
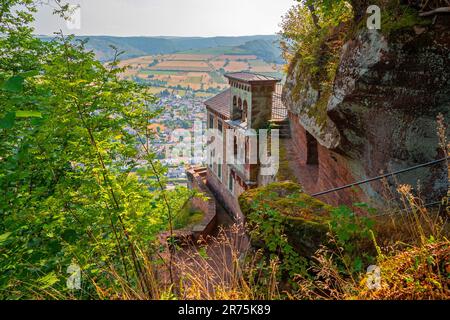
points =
(221, 103)
(250, 77)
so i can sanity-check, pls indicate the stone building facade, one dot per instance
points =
(235, 117)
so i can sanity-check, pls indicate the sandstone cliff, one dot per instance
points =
(380, 114)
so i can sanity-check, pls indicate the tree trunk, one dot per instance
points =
(315, 18)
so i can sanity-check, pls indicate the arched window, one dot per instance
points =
(234, 101)
(244, 111)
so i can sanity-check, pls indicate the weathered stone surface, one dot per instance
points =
(303, 104)
(381, 113)
(333, 170)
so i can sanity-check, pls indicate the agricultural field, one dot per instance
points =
(201, 71)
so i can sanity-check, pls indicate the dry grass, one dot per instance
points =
(419, 273)
(221, 268)
(413, 255)
(413, 248)
(412, 251)
(226, 267)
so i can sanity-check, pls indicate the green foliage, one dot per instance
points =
(13, 84)
(352, 233)
(286, 197)
(306, 26)
(286, 224)
(76, 185)
(267, 227)
(331, 12)
(397, 16)
(313, 33)
(187, 216)
(284, 171)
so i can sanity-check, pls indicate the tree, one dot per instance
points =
(73, 189)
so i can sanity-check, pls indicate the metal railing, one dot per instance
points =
(279, 113)
(427, 164)
(279, 110)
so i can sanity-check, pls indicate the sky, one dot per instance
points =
(203, 18)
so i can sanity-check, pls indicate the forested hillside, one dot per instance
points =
(264, 47)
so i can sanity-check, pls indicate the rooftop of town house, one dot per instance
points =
(221, 103)
(250, 77)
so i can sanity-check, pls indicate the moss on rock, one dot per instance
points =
(305, 218)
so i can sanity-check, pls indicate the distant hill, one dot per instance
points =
(264, 47)
(267, 50)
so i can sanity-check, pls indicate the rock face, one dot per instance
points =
(381, 113)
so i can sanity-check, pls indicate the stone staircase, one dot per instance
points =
(283, 126)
